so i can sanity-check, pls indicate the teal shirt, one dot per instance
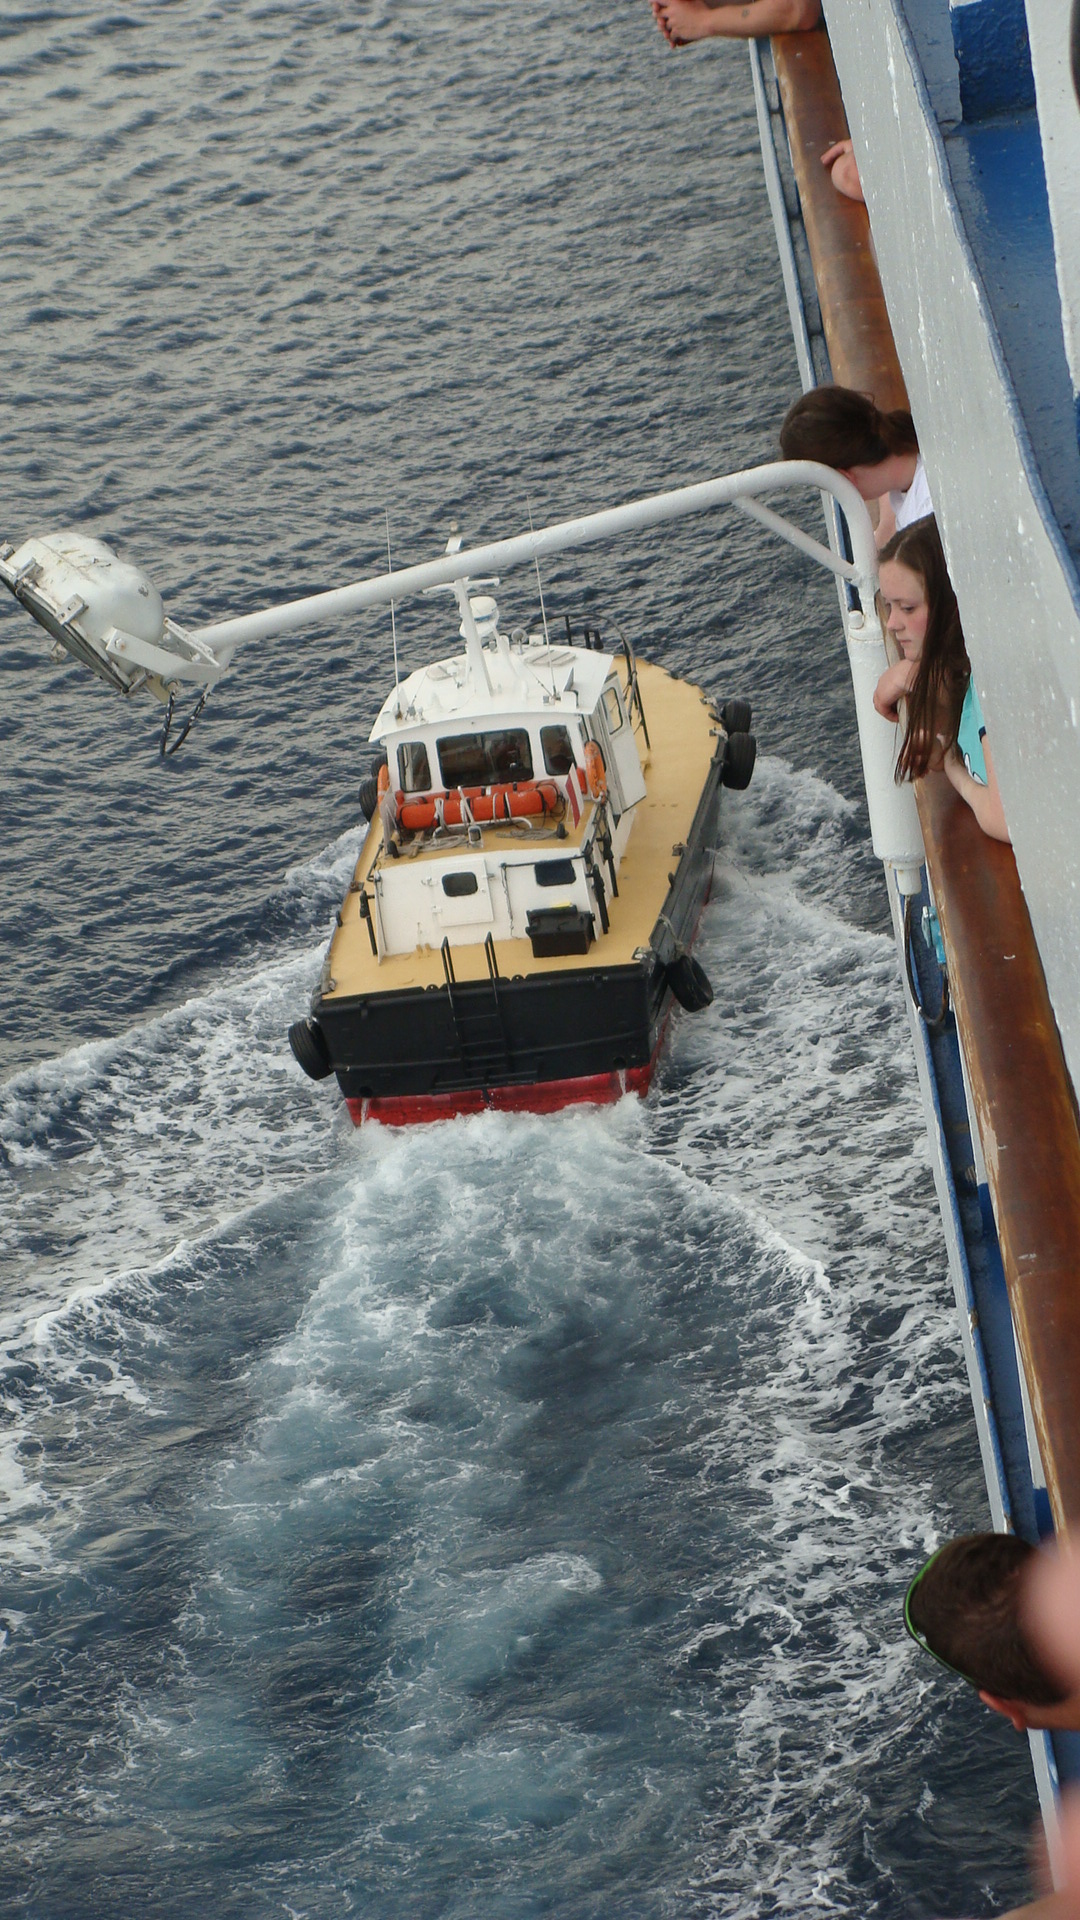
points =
(969, 737)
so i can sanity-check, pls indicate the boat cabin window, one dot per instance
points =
(554, 873)
(457, 885)
(613, 709)
(558, 749)
(486, 759)
(415, 770)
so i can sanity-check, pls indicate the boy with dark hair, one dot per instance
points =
(965, 1607)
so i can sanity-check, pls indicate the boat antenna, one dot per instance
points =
(393, 620)
(539, 588)
(540, 591)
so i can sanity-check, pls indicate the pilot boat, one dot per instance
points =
(543, 817)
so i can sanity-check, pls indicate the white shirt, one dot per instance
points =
(916, 502)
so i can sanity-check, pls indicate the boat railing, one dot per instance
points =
(632, 689)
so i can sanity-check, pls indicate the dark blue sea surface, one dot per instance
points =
(509, 1517)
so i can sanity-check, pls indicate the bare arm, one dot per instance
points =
(886, 523)
(681, 21)
(985, 802)
(895, 682)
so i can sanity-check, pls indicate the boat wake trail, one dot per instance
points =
(113, 1152)
(407, 1522)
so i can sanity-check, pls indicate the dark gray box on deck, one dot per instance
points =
(556, 930)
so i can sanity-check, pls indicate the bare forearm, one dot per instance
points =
(895, 683)
(686, 20)
(985, 802)
(886, 521)
(756, 17)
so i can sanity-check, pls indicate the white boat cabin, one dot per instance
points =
(512, 775)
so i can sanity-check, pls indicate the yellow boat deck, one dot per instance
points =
(683, 732)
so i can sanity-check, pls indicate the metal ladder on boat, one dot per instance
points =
(477, 1014)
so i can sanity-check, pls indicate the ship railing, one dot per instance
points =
(1020, 1091)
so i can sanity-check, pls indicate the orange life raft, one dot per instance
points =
(419, 811)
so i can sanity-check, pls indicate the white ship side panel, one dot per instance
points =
(1048, 36)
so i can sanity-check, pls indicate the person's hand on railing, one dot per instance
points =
(843, 170)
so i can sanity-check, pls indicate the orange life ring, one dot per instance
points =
(383, 783)
(595, 773)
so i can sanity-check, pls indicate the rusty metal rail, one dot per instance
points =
(853, 311)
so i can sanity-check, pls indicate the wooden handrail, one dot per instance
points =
(1025, 1107)
(853, 311)
(1025, 1112)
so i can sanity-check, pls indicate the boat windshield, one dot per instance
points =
(486, 759)
(413, 761)
(558, 749)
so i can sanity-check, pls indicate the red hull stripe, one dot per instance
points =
(543, 1096)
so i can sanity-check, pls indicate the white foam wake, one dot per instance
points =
(116, 1151)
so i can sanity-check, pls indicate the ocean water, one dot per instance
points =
(510, 1517)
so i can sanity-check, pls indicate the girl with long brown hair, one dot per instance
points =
(944, 720)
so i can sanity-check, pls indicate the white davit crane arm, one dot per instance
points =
(109, 615)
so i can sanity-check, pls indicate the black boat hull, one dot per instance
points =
(534, 1042)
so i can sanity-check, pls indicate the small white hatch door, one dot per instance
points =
(460, 895)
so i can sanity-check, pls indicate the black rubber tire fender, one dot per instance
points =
(689, 982)
(369, 787)
(737, 716)
(308, 1042)
(740, 753)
